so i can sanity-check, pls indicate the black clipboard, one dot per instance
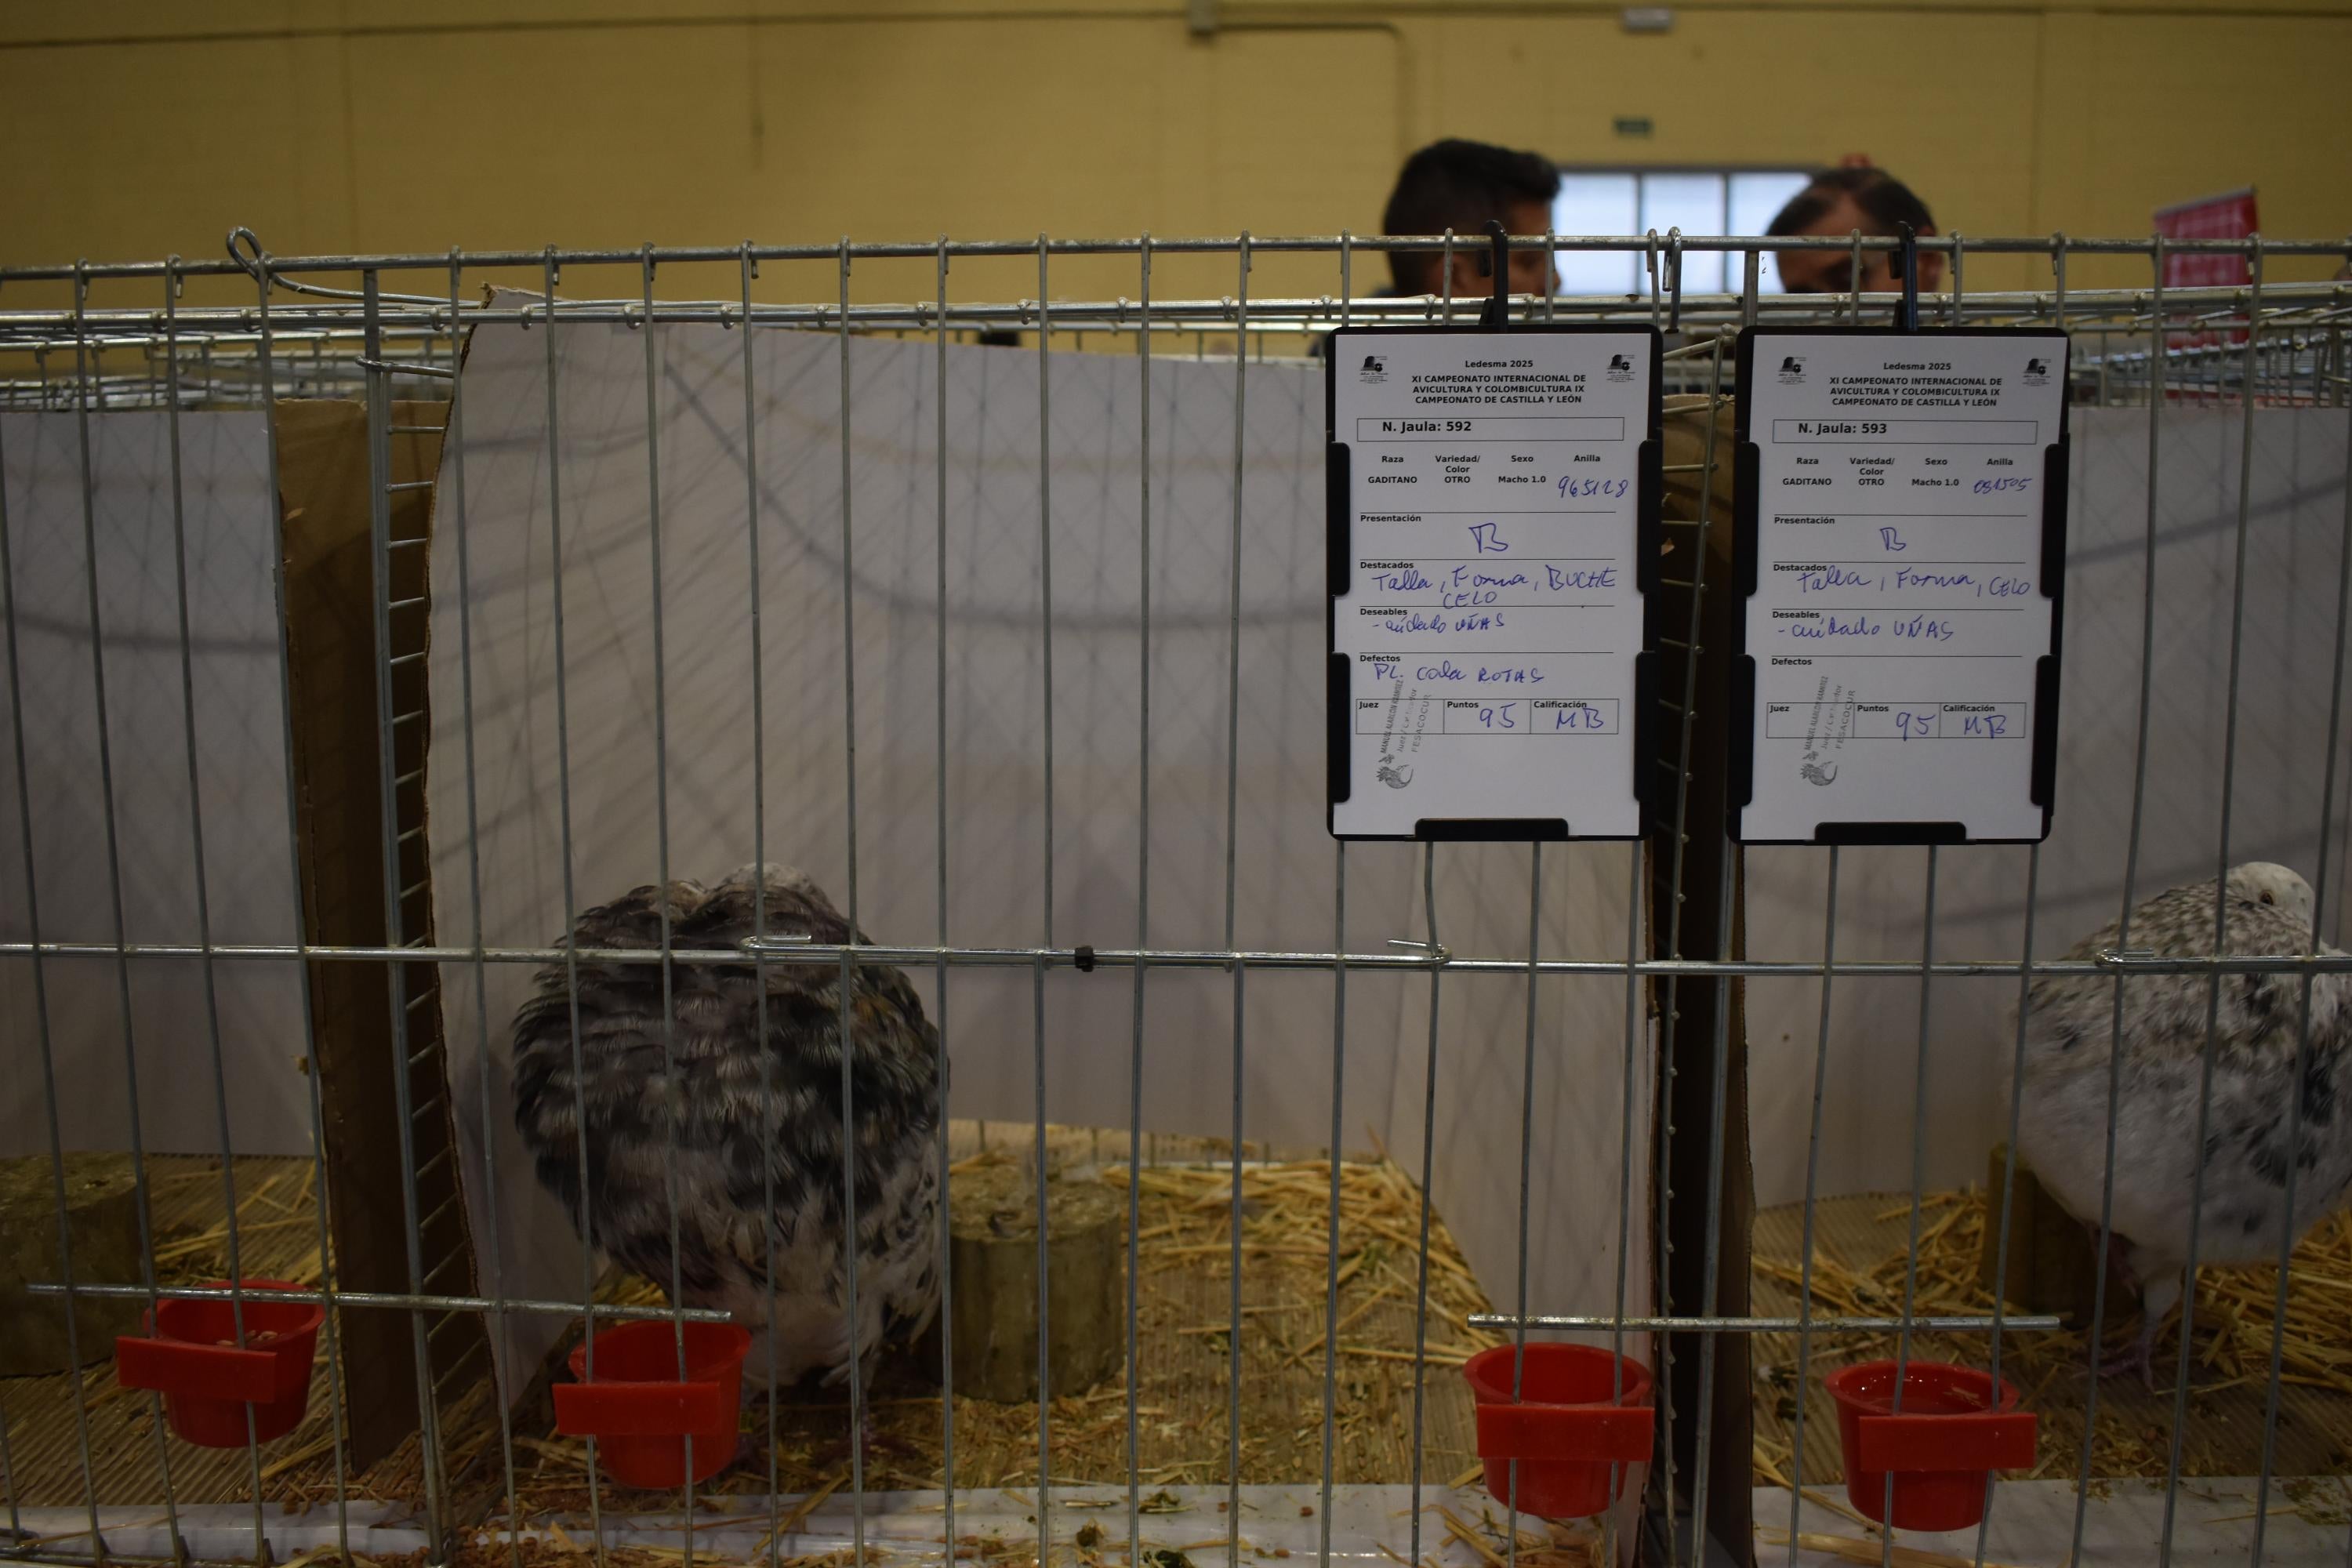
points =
(1746, 505)
(1648, 786)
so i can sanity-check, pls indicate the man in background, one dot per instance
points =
(1839, 202)
(1459, 186)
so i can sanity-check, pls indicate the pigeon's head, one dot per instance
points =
(2260, 882)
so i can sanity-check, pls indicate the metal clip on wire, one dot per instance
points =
(2124, 957)
(1437, 951)
(1674, 279)
(1496, 266)
(1909, 322)
(775, 942)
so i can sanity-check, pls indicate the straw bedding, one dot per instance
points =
(1858, 1268)
(1183, 1325)
(1183, 1328)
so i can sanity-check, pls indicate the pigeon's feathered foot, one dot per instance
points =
(2119, 1272)
(2119, 1259)
(867, 1442)
(2140, 1358)
(2118, 1255)
(2158, 1299)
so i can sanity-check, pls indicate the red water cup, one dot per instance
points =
(1569, 1429)
(1950, 1436)
(642, 1412)
(191, 1356)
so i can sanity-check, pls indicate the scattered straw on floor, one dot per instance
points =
(278, 1235)
(1870, 1551)
(1858, 1268)
(1184, 1326)
(1542, 1543)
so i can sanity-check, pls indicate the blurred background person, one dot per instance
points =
(1838, 203)
(1459, 186)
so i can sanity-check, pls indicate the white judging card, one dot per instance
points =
(1901, 502)
(1491, 496)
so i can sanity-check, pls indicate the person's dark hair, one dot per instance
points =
(1459, 186)
(1884, 200)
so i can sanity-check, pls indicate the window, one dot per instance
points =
(1697, 200)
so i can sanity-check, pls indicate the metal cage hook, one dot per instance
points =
(255, 260)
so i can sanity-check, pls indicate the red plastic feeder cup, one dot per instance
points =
(1939, 1450)
(1568, 1429)
(640, 1411)
(191, 1356)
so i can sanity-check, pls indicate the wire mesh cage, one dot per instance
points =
(376, 624)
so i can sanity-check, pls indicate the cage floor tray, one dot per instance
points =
(1368, 1527)
(2033, 1523)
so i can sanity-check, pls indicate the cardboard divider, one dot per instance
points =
(1693, 431)
(331, 589)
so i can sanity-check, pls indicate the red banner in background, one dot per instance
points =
(2228, 216)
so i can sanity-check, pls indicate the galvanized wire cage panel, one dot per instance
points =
(1014, 651)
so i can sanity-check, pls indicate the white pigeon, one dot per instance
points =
(2070, 1030)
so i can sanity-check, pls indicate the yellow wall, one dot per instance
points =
(141, 126)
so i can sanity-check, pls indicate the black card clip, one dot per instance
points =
(1674, 280)
(1907, 321)
(1496, 266)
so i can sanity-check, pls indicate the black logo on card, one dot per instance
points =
(1792, 370)
(1620, 368)
(1375, 371)
(2037, 373)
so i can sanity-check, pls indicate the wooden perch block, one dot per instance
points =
(992, 1263)
(102, 1221)
(2054, 1262)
